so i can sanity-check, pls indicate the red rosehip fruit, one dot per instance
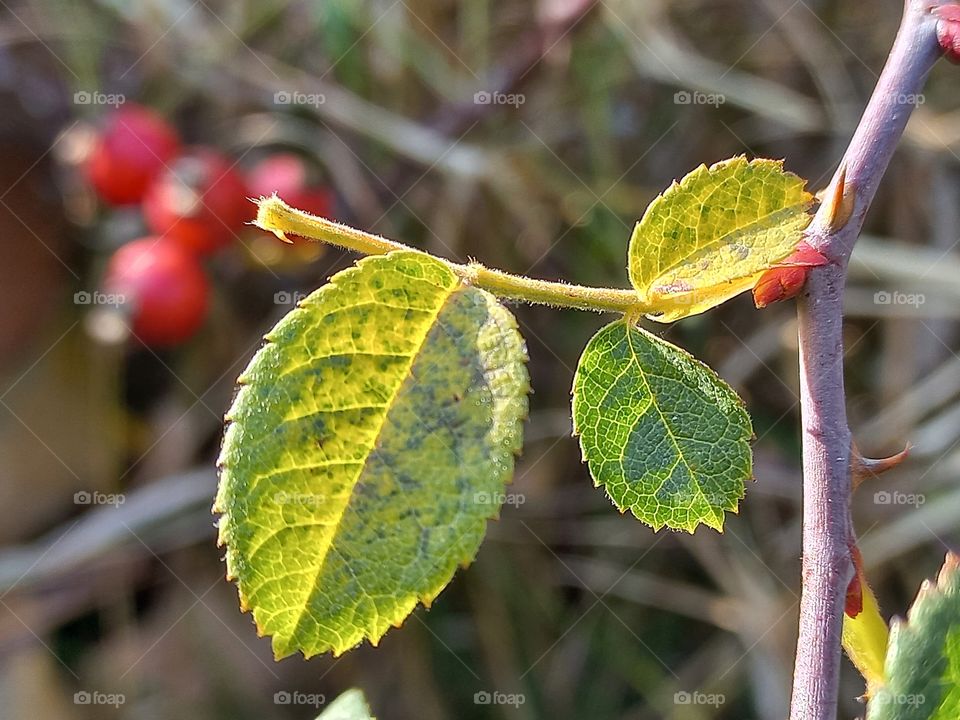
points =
(316, 201)
(163, 287)
(281, 173)
(132, 147)
(199, 202)
(287, 175)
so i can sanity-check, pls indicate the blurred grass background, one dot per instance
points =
(582, 611)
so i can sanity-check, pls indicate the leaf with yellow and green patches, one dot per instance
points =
(713, 234)
(661, 432)
(369, 443)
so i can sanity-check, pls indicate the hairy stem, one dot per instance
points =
(279, 218)
(827, 529)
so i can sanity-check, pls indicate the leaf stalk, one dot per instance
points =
(276, 216)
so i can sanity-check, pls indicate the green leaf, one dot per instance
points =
(369, 443)
(923, 659)
(660, 431)
(710, 236)
(351, 705)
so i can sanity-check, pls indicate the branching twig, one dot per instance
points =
(827, 530)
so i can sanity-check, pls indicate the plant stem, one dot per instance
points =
(542, 292)
(275, 216)
(827, 528)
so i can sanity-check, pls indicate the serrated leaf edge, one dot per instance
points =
(684, 183)
(735, 508)
(929, 590)
(424, 599)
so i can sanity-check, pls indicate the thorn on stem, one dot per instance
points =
(862, 467)
(838, 202)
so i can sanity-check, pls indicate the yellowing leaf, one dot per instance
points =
(865, 640)
(369, 443)
(713, 234)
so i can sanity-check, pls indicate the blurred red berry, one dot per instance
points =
(316, 201)
(948, 31)
(164, 289)
(280, 173)
(286, 175)
(199, 202)
(131, 148)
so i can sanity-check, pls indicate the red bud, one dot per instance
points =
(948, 31)
(804, 255)
(786, 280)
(854, 602)
(779, 284)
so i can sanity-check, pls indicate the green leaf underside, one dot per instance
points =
(351, 705)
(369, 443)
(710, 236)
(923, 659)
(661, 432)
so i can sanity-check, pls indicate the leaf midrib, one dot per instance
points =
(663, 418)
(727, 237)
(373, 446)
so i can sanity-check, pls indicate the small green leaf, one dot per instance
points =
(660, 431)
(710, 236)
(351, 705)
(369, 443)
(923, 659)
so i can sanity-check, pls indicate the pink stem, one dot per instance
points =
(827, 530)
